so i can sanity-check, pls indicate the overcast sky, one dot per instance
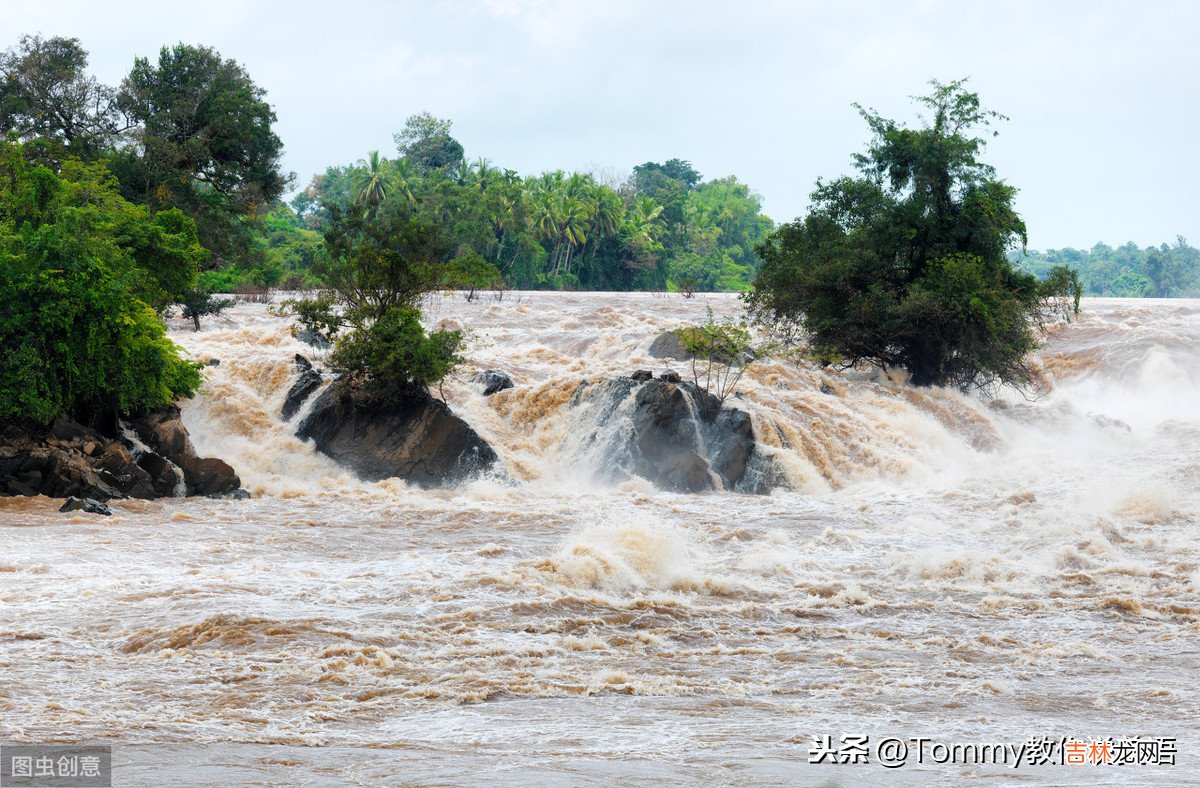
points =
(1103, 140)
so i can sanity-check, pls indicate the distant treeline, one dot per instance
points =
(191, 131)
(1164, 271)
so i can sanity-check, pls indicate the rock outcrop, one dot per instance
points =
(419, 439)
(89, 505)
(309, 381)
(670, 433)
(669, 345)
(489, 381)
(163, 433)
(150, 457)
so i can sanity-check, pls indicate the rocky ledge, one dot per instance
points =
(671, 433)
(417, 438)
(150, 456)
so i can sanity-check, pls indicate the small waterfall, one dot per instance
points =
(138, 448)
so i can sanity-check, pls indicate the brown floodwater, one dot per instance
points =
(937, 565)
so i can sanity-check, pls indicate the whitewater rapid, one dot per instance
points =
(936, 565)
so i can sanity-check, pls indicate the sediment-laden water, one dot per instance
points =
(940, 566)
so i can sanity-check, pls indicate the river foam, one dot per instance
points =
(933, 564)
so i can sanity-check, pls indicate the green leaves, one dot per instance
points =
(80, 277)
(906, 265)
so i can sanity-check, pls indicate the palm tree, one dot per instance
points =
(574, 225)
(404, 175)
(643, 218)
(371, 182)
(485, 173)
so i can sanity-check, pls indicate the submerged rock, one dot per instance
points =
(90, 505)
(419, 439)
(669, 345)
(308, 337)
(672, 434)
(490, 381)
(309, 381)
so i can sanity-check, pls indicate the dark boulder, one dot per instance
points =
(309, 381)
(51, 471)
(163, 432)
(117, 466)
(674, 435)
(153, 458)
(489, 381)
(417, 439)
(308, 337)
(89, 505)
(209, 476)
(669, 345)
(670, 376)
(641, 376)
(164, 475)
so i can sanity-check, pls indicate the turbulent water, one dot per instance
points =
(938, 566)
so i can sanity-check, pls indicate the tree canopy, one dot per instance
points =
(81, 271)
(1127, 271)
(205, 143)
(905, 264)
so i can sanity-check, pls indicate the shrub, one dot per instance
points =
(721, 352)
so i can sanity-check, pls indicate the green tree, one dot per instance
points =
(371, 182)
(46, 92)
(205, 144)
(199, 303)
(377, 270)
(78, 337)
(905, 264)
(427, 144)
(471, 272)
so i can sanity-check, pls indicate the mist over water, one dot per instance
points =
(937, 565)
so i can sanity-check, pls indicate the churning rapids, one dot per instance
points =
(940, 566)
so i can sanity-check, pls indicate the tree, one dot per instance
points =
(205, 144)
(427, 144)
(198, 303)
(378, 269)
(905, 264)
(471, 272)
(78, 335)
(720, 352)
(46, 92)
(371, 182)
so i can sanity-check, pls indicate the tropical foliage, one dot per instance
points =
(1164, 271)
(663, 228)
(905, 265)
(81, 273)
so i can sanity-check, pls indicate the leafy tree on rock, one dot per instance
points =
(378, 269)
(905, 265)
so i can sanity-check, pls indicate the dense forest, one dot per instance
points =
(191, 131)
(1166, 271)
